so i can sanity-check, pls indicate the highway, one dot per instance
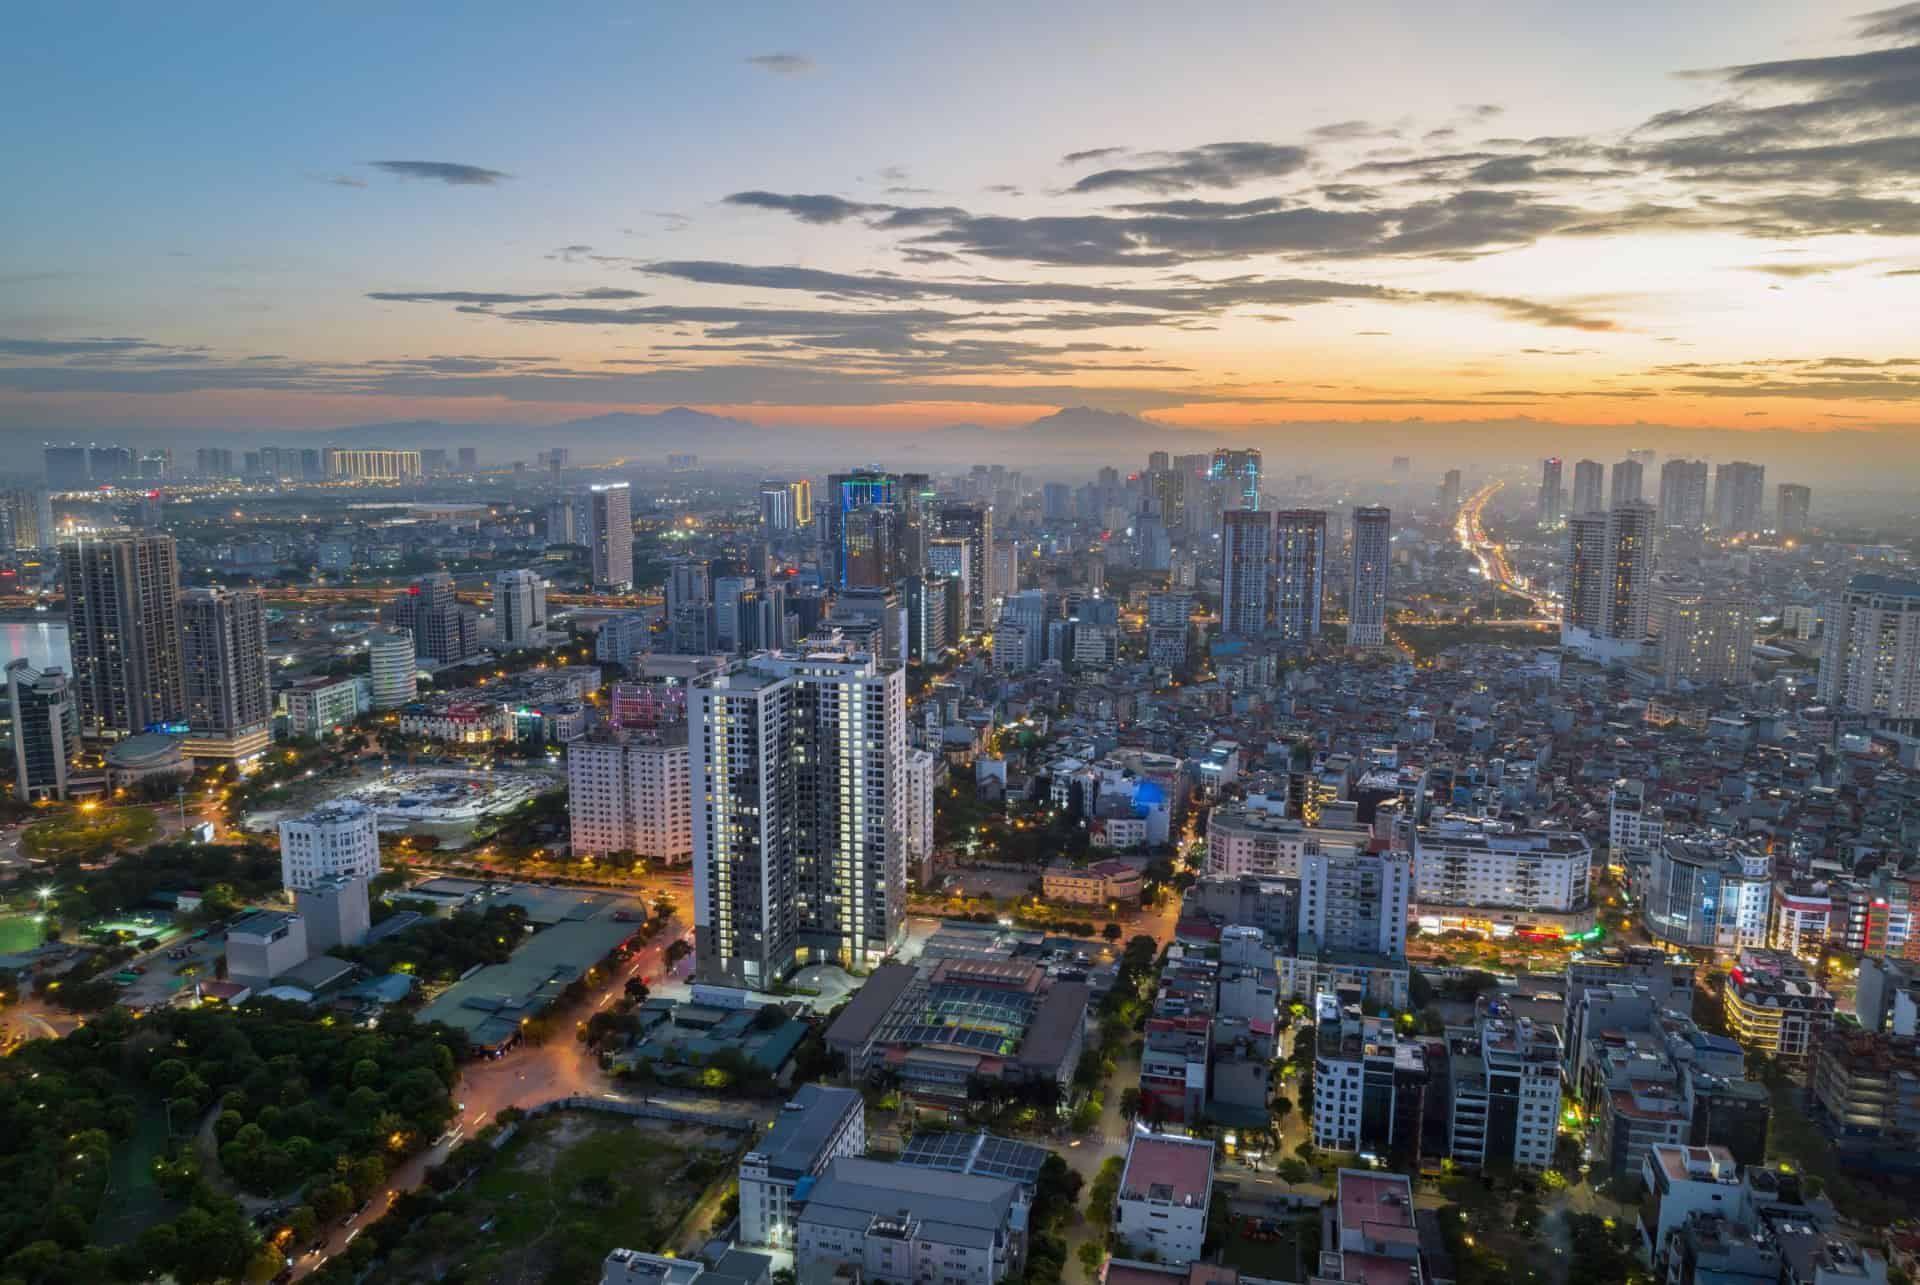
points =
(1492, 555)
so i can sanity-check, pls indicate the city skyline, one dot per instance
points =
(1383, 215)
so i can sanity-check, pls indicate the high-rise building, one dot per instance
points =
(109, 464)
(469, 459)
(802, 500)
(1683, 494)
(631, 792)
(1588, 477)
(798, 841)
(610, 528)
(46, 731)
(213, 462)
(28, 519)
(1629, 482)
(951, 558)
(918, 771)
(229, 700)
(520, 610)
(1609, 579)
(888, 540)
(395, 666)
(443, 630)
(1552, 497)
(1450, 491)
(1739, 497)
(67, 468)
(1706, 637)
(973, 523)
(776, 508)
(1240, 471)
(123, 617)
(1272, 573)
(1354, 900)
(340, 838)
(1872, 659)
(1246, 559)
(689, 580)
(433, 462)
(1372, 564)
(1793, 503)
(371, 465)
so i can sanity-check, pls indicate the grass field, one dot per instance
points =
(567, 1189)
(20, 932)
(87, 836)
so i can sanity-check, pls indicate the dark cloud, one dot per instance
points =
(1210, 165)
(442, 172)
(1347, 131)
(1796, 271)
(1091, 154)
(491, 298)
(817, 208)
(1901, 22)
(338, 180)
(74, 347)
(782, 64)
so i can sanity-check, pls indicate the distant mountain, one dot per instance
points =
(1093, 425)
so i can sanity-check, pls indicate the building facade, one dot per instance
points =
(1372, 566)
(798, 827)
(229, 700)
(338, 838)
(123, 617)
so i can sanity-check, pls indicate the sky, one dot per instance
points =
(900, 216)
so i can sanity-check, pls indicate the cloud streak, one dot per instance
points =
(448, 172)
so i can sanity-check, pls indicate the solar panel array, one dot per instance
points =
(975, 1153)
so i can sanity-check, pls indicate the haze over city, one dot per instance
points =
(1564, 215)
(976, 645)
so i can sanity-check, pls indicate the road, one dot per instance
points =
(522, 1077)
(1471, 531)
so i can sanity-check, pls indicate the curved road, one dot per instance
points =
(522, 1077)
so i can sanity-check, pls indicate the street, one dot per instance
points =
(525, 1076)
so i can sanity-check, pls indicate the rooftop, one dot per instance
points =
(805, 1126)
(1166, 1168)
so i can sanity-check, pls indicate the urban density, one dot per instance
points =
(872, 684)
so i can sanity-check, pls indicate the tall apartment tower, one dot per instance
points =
(1450, 490)
(1739, 497)
(1588, 479)
(1705, 637)
(1246, 560)
(46, 731)
(973, 523)
(224, 672)
(1552, 506)
(519, 609)
(1609, 578)
(610, 523)
(1629, 482)
(123, 614)
(799, 849)
(802, 500)
(1299, 573)
(1241, 470)
(1872, 658)
(1683, 494)
(1372, 563)
(28, 517)
(1272, 573)
(1793, 504)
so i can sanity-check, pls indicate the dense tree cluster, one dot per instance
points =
(303, 1105)
(439, 951)
(226, 876)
